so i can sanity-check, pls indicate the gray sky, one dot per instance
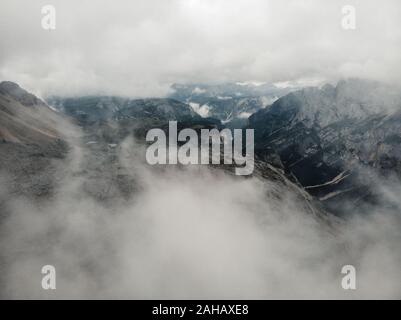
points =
(138, 48)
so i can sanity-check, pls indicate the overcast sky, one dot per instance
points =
(138, 48)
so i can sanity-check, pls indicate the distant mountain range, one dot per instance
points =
(232, 103)
(99, 108)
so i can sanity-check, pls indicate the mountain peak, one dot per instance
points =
(9, 85)
(24, 97)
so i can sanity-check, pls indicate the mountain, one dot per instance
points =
(31, 143)
(115, 118)
(25, 118)
(231, 103)
(75, 186)
(330, 142)
(228, 101)
(199, 92)
(333, 140)
(103, 108)
(41, 147)
(13, 90)
(65, 195)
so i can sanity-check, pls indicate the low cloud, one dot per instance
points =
(194, 233)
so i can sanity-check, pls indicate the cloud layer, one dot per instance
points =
(138, 48)
(194, 233)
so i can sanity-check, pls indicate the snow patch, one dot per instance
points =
(266, 101)
(244, 115)
(250, 83)
(198, 90)
(203, 110)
